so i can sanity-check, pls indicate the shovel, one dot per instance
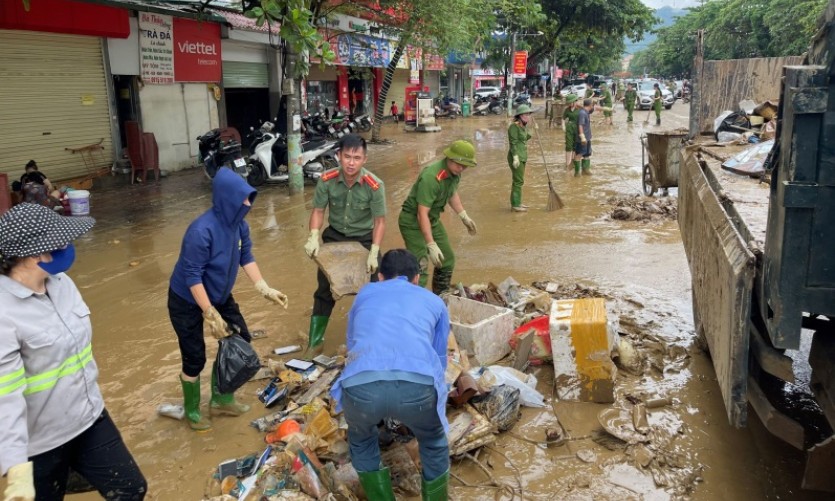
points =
(554, 200)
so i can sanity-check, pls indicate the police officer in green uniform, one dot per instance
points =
(517, 155)
(569, 117)
(606, 103)
(356, 203)
(630, 100)
(657, 102)
(420, 216)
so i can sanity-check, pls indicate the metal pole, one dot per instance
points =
(294, 150)
(512, 76)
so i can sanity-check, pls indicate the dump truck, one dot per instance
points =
(762, 253)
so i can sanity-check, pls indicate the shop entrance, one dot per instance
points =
(245, 107)
(360, 90)
(127, 104)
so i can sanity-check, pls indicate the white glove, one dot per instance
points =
(268, 292)
(515, 161)
(21, 483)
(216, 324)
(469, 223)
(373, 257)
(435, 254)
(311, 247)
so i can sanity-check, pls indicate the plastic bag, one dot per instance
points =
(526, 383)
(500, 406)
(236, 363)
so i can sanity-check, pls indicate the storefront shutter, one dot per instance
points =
(53, 95)
(237, 74)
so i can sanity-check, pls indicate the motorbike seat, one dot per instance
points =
(312, 145)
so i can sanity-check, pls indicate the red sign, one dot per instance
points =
(65, 16)
(520, 63)
(196, 51)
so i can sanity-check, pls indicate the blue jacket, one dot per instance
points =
(397, 326)
(217, 242)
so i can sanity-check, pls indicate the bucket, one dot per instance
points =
(79, 202)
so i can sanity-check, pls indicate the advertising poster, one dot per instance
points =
(156, 48)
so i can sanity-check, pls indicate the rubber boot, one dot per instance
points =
(435, 490)
(224, 403)
(377, 485)
(586, 166)
(316, 336)
(657, 121)
(441, 280)
(191, 403)
(576, 168)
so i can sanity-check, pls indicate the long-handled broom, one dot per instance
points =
(554, 200)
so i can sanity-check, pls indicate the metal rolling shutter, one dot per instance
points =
(237, 74)
(397, 91)
(53, 95)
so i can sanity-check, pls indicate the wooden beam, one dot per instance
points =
(777, 423)
(771, 360)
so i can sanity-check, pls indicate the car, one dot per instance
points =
(486, 91)
(578, 89)
(646, 91)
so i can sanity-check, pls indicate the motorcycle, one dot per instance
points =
(496, 105)
(481, 108)
(522, 98)
(270, 154)
(364, 122)
(215, 154)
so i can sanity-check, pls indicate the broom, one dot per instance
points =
(649, 112)
(554, 200)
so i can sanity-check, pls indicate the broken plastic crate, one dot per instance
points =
(482, 329)
(581, 344)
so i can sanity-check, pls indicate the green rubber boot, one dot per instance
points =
(586, 166)
(435, 490)
(191, 403)
(224, 403)
(316, 336)
(377, 485)
(576, 168)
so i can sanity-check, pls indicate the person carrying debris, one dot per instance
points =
(52, 413)
(200, 290)
(356, 202)
(657, 102)
(517, 155)
(569, 117)
(397, 356)
(606, 103)
(630, 100)
(582, 147)
(420, 215)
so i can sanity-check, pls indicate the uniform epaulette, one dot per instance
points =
(369, 179)
(330, 174)
(442, 175)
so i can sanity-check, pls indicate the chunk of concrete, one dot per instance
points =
(344, 263)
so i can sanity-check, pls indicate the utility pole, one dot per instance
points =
(294, 151)
(512, 75)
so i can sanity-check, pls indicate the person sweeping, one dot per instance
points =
(517, 155)
(569, 117)
(606, 103)
(630, 100)
(657, 103)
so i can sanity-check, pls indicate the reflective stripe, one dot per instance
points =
(11, 382)
(47, 380)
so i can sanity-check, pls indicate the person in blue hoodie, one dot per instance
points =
(200, 290)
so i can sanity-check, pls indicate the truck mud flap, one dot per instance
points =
(722, 269)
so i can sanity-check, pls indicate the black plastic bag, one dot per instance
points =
(236, 363)
(500, 406)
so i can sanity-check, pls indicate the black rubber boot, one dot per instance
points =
(441, 280)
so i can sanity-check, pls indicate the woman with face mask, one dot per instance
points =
(52, 415)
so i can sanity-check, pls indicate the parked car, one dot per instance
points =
(578, 89)
(646, 91)
(486, 92)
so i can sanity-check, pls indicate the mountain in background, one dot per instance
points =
(667, 16)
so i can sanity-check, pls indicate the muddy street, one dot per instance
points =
(124, 264)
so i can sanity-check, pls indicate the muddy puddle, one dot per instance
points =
(123, 267)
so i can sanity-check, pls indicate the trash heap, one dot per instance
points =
(499, 334)
(643, 209)
(750, 123)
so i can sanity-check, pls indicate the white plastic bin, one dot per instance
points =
(482, 329)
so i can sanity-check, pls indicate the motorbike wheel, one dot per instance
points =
(257, 175)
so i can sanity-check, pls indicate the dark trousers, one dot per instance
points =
(100, 456)
(323, 301)
(187, 320)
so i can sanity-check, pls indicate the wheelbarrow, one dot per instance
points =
(661, 158)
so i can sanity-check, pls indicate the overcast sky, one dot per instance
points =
(676, 4)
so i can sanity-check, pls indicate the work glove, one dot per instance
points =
(216, 324)
(583, 139)
(311, 247)
(469, 223)
(268, 292)
(515, 161)
(21, 483)
(373, 257)
(435, 254)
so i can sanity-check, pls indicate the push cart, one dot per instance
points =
(661, 157)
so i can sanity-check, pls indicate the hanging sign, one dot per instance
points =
(520, 64)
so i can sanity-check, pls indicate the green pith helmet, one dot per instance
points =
(522, 109)
(461, 152)
(571, 99)
(603, 85)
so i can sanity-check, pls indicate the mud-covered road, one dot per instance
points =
(124, 264)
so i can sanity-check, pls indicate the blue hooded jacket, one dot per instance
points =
(217, 242)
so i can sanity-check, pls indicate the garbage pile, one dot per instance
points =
(500, 336)
(751, 123)
(644, 209)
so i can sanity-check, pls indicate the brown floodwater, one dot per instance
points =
(124, 264)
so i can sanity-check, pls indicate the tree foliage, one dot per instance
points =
(733, 29)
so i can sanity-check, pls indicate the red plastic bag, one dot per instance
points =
(541, 347)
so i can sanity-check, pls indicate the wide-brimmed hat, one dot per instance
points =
(522, 109)
(461, 152)
(32, 229)
(572, 98)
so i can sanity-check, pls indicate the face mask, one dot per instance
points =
(62, 259)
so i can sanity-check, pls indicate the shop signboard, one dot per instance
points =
(156, 48)
(178, 50)
(353, 49)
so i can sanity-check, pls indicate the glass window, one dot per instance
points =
(321, 94)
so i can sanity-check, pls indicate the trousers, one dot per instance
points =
(323, 301)
(518, 180)
(416, 244)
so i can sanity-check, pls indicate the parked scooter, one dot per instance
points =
(268, 160)
(215, 154)
(482, 107)
(522, 98)
(497, 105)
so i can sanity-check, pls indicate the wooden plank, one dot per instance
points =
(321, 384)
(523, 350)
(770, 359)
(820, 463)
(722, 269)
(780, 425)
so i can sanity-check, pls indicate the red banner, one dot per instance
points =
(64, 16)
(196, 51)
(520, 63)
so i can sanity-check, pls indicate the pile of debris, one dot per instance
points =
(751, 123)
(644, 209)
